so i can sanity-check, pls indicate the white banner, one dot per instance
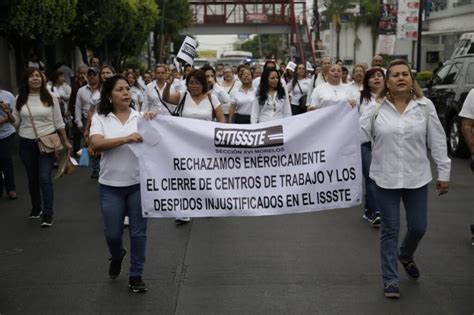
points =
(194, 168)
(188, 50)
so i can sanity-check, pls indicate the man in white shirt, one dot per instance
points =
(154, 93)
(84, 97)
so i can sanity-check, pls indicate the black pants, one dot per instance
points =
(241, 119)
(297, 109)
(7, 178)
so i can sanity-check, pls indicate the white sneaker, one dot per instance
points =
(125, 221)
(179, 221)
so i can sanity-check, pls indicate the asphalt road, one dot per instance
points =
(315, 263)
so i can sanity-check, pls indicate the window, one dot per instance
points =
(470, 74)
(453, 73)
(441, 74)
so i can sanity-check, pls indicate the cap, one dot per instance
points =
(93, 69)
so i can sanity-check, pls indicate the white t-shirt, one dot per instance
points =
(118, 166)
(328, 94)
(243, 100)
(202, 111)
(467, 110)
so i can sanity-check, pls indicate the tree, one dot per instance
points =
(370, 14)
(334, 10)
(115, 28)
(176, 16)
(29, 25)
(271, 44)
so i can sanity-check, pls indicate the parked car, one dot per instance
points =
(448, 89)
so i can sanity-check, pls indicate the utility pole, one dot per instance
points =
(420, 28)
(316, 20)
(162, 39)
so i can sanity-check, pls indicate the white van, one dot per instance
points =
(465, 45)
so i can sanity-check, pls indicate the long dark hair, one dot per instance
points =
(105, 105)
(263, 88)
(366, 93)
(45, 97)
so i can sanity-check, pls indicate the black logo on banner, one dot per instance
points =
(245, 138)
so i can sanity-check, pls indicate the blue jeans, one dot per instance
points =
(370, 187)
(116, 203)
(39, 168)
(416, 203)
(7, 178)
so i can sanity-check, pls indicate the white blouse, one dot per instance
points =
(328, 94)
(401, 142)
(202, 111)
(273, 108)
(243, 100)
(118, 166)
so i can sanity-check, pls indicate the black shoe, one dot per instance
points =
(35, 214)
(115, 266)
(47, 221)
(137, 285)
(410, 268)
(376, 221)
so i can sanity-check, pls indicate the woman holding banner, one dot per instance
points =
(196, 102)
(112, 130)
(272, 100)
(404, 127)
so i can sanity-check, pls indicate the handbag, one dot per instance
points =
(49, 143)
(303, 98)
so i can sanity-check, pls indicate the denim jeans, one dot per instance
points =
(116, 203)
(39, 168)
(370, 187)
(415, 202)
(7, 178)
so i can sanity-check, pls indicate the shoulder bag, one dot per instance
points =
(302, 100)
(49, 143)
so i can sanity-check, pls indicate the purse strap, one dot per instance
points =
(212, 105)
(33, 122)
(299, 86)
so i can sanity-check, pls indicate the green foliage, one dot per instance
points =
(177, 16)
(42, 20)
(424, 75)
(133, 63)
(271, 44)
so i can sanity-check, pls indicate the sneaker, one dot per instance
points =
(391, 291)
(410, 268)
(369, 217)
(137, 285)
(180, 221)
(115, 266)
(126, 222)
(47, 221)
(35, 214)
(376, 221)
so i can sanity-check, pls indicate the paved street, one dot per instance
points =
(316, 263)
